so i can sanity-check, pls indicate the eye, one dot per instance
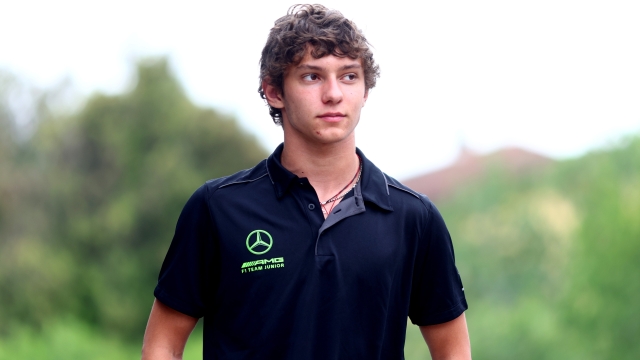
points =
(350, 77)
(310, 77)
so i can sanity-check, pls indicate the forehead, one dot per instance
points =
(327, 62)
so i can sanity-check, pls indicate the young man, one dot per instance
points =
(314, 253)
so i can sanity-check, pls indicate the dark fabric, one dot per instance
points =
(300, 293)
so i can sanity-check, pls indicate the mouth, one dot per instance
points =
(332, 116)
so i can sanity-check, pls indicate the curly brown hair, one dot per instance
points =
(325, 31)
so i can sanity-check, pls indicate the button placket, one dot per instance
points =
(307, 198)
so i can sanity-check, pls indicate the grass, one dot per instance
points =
(72, 339)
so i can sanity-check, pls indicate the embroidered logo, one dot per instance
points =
(259, 242)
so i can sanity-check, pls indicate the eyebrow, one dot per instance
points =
(318, 68)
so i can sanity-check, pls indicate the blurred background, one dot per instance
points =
(521, 121)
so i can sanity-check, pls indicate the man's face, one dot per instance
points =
(322, 99)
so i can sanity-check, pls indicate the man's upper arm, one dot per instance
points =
(437, 294)
(167, 333)
(449, 340)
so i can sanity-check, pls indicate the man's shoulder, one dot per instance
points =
(246, 176)
(403, 195)
(392, 194)
(415, 207)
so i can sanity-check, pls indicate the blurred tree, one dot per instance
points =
(17, 217)
(550, 263)
(605, 278)
(112, 180)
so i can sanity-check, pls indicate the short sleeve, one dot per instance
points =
(437, 294)
(185, 272)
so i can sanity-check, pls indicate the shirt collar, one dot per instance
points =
(281, 178)
(374, 183)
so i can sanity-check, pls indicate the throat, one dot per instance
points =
(328, 204)
(332, 171)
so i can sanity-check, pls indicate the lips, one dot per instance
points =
(332, 116)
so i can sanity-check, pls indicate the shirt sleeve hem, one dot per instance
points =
(442, 317)
(177, 305)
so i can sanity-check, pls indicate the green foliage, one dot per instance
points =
(550, 262)
(65, 339)
(94, 198)
(605, 286)
(73, 339)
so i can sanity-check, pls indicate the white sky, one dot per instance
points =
(555, 76)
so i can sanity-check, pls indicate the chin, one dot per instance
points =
(334, 138)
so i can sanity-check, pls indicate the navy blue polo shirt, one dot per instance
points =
(253, 255)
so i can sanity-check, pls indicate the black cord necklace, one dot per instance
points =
(337, 196)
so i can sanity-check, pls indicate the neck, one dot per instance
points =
(329, 167)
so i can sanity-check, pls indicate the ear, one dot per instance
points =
(366, 96)
(273, 96)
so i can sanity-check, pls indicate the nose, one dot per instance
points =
(332, 93)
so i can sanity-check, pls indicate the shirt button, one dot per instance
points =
(311, 206)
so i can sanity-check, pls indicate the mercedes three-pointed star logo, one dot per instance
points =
(257, 243)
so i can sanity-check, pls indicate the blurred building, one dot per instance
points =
(470, 167)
